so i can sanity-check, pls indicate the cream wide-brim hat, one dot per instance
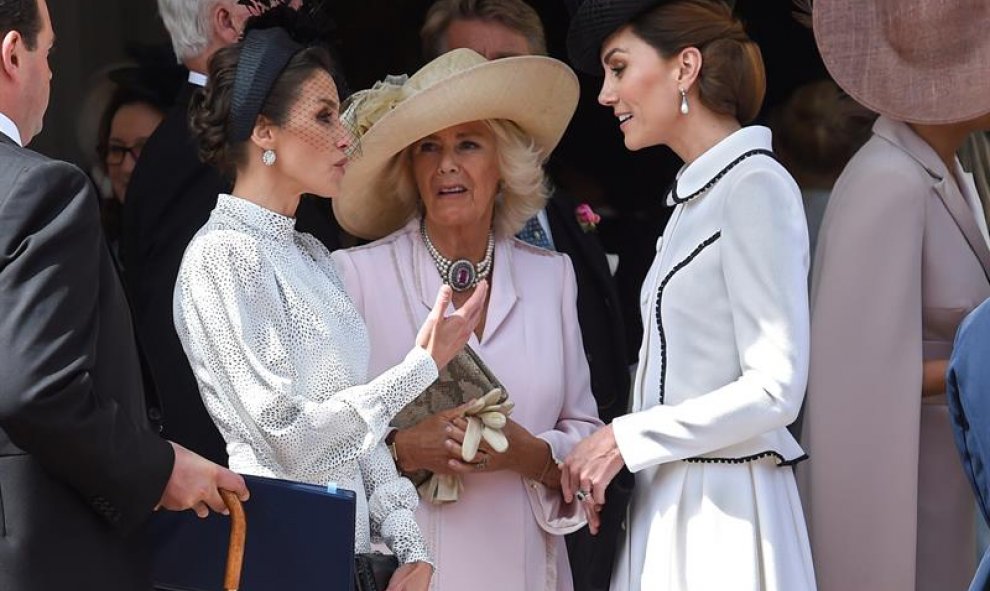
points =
(919, 61)
(537, 93)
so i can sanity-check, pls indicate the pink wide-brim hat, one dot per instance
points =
(919, 61)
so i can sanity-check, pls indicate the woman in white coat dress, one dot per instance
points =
(724, 358)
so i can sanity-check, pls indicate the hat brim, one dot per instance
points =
(936, 89)
(539, 94)
(593, 23)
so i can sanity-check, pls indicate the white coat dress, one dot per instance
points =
(723, 368)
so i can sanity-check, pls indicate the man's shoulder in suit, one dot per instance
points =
(42, 172)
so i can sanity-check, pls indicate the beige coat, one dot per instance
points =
(900, 261)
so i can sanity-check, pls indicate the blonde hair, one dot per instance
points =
(524, 188)
(515, 15)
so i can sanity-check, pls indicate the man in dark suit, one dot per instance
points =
(504, 28)
(170, 196)
(81, 468)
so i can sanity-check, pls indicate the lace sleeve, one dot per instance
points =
(392, 499)
(243, 343)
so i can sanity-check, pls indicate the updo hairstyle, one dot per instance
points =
(732, 80)
(209, 111)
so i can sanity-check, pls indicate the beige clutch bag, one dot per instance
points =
(464, 379)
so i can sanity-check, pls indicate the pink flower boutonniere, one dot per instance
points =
(587, 217)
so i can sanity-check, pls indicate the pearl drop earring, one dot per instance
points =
(684, 102)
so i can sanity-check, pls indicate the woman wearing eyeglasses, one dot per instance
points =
(128, 121)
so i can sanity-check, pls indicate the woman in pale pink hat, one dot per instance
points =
(902, 258)
(724, 357)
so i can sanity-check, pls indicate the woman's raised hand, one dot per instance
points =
(444, 336)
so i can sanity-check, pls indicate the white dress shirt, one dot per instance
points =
(197, 78)
(9, 129)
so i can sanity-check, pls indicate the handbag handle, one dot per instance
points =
(238, 533)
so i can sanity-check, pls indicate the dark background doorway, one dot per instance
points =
(379, 37)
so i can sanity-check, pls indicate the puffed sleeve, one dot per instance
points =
(225, 285)
(764, 252)
(578, 414)
(392, 502)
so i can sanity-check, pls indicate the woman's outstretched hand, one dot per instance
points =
(444, 336)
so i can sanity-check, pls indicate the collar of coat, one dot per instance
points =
(695, 175)
(904, 138)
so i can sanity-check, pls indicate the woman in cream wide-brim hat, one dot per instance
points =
(448, 170)
(902, 258)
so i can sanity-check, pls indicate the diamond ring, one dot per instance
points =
(582, 496)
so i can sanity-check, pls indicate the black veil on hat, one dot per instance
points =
(275, 33)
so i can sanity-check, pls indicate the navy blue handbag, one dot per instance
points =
(298, 536)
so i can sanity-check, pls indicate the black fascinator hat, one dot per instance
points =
(309, 24)
(271, 37)
(592, 22)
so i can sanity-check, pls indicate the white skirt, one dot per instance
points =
(709, 526)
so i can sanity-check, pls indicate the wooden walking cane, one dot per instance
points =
(238, 533)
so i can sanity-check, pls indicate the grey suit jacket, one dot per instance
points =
(80, 467)
(900, 262)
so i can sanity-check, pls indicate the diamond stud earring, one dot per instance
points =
(268, 157)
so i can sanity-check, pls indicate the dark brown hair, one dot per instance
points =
(210, 108)
(122, 96)
(732, 80)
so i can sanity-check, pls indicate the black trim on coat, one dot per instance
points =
(663, 338)
(780, 459)
(715, 179)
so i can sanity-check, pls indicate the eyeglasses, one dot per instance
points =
(117, 153)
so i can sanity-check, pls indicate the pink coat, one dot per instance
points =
(901, 260)
(505, 532)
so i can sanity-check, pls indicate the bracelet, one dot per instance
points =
(546, 467)
(390, 443)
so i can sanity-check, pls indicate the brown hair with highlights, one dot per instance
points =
(732, 80)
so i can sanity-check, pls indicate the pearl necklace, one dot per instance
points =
(462, 274)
